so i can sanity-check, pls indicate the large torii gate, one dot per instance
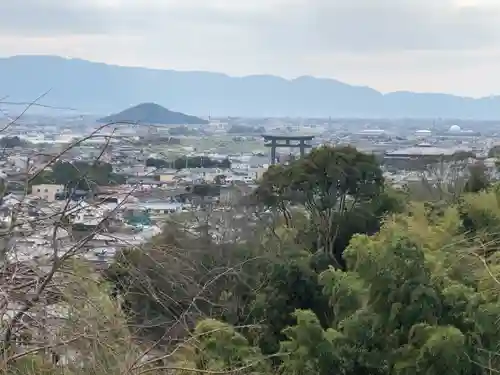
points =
(302, 142)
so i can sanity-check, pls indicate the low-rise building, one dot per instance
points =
(47, 192)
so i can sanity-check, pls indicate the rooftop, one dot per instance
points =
(421, 151)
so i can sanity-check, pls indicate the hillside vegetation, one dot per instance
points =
(100, 88)
(151, 113)
(326, 271)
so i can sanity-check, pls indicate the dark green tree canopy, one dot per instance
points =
(331, 184)
(479, 178)
(79, 175)
(11, 142)
(189, 162)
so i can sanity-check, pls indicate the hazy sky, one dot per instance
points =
(422, 45)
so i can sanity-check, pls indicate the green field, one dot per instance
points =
(216, 144)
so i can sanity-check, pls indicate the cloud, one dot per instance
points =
(396, 25)
(282, 25)
(391, 44)
(37, 18)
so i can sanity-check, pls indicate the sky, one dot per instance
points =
(450, 46)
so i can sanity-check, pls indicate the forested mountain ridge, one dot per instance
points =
(151, 113)
(101, 89)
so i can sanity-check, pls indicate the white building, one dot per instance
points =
(423, 133)
(47, 191)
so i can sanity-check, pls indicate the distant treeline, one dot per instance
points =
(11, 142)
(79, 175)
(159, 140)
(189, 162)
(243, 129)
(183, 130)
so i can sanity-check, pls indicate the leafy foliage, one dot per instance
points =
(11, 142)
(79, 175)
(336, 186)
(404, 305)
(412, 288)
(221, 348)
(188, 162)
(478, 178)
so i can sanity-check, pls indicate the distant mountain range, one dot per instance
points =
(152, 113)
(100, 89)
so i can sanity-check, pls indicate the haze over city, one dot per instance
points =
(446, 46)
